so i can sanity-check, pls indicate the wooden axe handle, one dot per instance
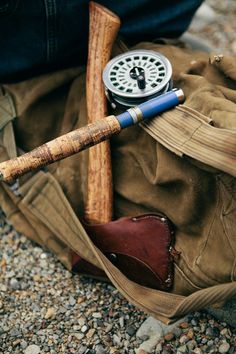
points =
(103, 29)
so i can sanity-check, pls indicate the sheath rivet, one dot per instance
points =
(113, 257)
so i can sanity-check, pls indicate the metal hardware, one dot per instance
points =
(136, 76)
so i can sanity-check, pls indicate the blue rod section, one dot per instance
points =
(151, 108)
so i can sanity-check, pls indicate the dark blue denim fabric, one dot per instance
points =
(42, 35)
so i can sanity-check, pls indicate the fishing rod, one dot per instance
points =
(138, 79)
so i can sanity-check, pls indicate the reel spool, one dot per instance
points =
(136, 76)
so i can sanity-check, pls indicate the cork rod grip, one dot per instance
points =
(59, 148)
(103, 28)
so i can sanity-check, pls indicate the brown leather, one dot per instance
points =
(141, 247)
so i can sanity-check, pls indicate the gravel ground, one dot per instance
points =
(44, 309)
(214, 23)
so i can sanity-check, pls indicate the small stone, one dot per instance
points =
(169, 336)
(183, 339)
(14, 284)
(190, 334)
(62, 309)
(191, 344)
(149, 344)
(51, 312)
(224, 332)
(99, 349)
(80, 300)
(15, 332)
(116, 340)
(216, 332)
(23, 344)
(150, 327)
(210, 343)
(32, 349)
(193, 322)
(84, 329)
(81, 321)
(210, 332)
(78, 335)
(90, 333)
(72, 301)
(177, 332)
(122, 321)
(109, 328)
(197, 351)
(141, 351)
(82, 349)
(16, 342)
(182, 349)
(224, 347)
(131, 330)
(97, 315)
(184, 325)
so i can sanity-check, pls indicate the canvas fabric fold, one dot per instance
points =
(181, 164)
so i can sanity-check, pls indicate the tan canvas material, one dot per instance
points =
(181, 164)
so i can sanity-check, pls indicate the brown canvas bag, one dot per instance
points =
(181, 164)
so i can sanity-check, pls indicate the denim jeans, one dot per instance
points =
(43, 35)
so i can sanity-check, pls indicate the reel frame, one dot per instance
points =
(136, 76)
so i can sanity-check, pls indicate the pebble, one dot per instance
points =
(90, 332)
(122, 321)
(183, 339)
(79, 335)
(97, 315)
(81, 321)
(51, 312)
(191, 344)
(150, 327)
(84, 329)
(15, 332)
(32, 349)
(82, 349)
(23, 344)
(131, 330)
(224, 347)
(14, 284)
(108, 327)
(184, 325)
(72, 301)
(99, 349)
(116, 339)
(169, 336)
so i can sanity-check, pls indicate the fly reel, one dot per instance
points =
(136, 76)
